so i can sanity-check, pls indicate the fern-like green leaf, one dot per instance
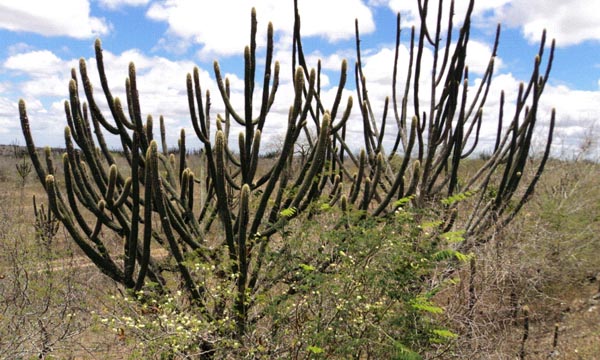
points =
(307, 268)
(404, 353)
(458, 198)
(454, 236)
(445, 334)
(403, 201)
(288, 213)
(449, 254)
(315, 350)
(422, 304)
(431, 224)
(441, 336)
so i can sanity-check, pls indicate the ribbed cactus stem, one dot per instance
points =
(182, 154)
(415, 178)
(317, 162)
(49, 160)
(364, 204)
(190, 195)
(244, 157)
(298, 91)
(344, 203)
(358, 180)
(163, 135)
(222, 198)
(125, 192)
(134, 102)
(254, 156)
(148, 195)
(242, 220)
(98, 226)
(101, 260)
(160, 200)
(112, 182)
(184, 185)
(149, 127)
(379, 164)
(345, 115)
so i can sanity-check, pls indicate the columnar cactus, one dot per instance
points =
(155, 208)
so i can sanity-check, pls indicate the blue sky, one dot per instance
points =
(41, 40)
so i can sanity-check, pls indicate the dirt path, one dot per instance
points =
(82, 262)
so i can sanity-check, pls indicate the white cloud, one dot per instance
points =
(478, 57)
(410, 11)
(570, 22)
(35, 63)
(161, 85)
(576, 110)
(52, 18)
(222, 27)
(116, 4)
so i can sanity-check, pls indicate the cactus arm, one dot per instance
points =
(242, 222)
(222, 198)
(244, 158)
(88, 89)
(457, 140)
(254, 156)
(122, 122)
(134, 105)
(102, 143)
(399, 181)
(275, 175)
(225, 97)
(401, 125)
(476, 121)
(159, 201)
(163, 135)
(275, 86)
(200, 133)
(364, 204)
(355, 190)
(131, 242)
(96, 232)
(265, 103)
(340, 89)
(125, 192)
(317, 161)
(376, 177)
(379, 147)
(147, 237)
(345, 116)
(529, 191)
(182, 154)
(106, 265)
(149, 128)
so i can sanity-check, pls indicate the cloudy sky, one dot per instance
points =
(41, 40)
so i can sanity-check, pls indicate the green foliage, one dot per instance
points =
(451, 200)
(288, 213)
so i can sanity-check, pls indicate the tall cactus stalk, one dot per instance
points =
(159, 209)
